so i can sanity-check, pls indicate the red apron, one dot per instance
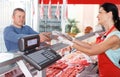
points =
(106, 67)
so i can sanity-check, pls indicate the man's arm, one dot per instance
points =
(11, 35)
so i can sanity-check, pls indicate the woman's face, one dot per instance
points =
(102, 16)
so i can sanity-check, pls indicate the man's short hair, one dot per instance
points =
(18, 9)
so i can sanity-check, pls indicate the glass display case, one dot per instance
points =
(48, 25)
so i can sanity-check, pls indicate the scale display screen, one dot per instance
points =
(28, 42)
(31, 42)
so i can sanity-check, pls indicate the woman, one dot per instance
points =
(107, 45)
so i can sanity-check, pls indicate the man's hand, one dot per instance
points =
(45, 36)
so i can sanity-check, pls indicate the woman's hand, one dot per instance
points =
(65, 41)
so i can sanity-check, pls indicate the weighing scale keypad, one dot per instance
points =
(42, 58)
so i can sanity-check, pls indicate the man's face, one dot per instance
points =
(19, 18)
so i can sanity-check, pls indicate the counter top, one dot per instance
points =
(6, 64)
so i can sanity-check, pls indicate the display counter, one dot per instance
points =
(8, 61)
(9, 64)
(73, 64)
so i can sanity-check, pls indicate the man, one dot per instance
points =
(18, 29)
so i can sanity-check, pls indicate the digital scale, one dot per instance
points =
(38, 58)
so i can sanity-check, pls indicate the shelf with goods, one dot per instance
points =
(48, 25)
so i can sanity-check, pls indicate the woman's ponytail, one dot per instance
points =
(117, 23)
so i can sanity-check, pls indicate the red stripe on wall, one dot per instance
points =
(81, 1)
(92, 1)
